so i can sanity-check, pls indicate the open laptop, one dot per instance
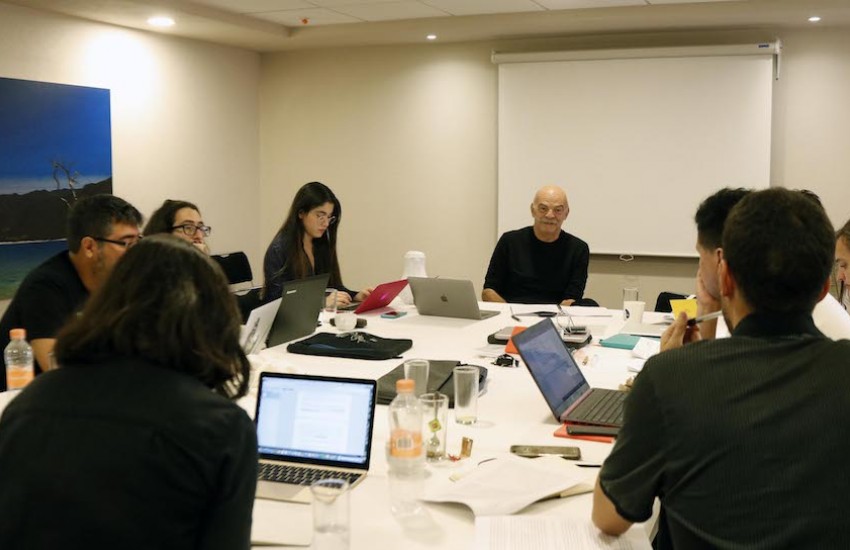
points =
(380, 297)
(299, 310)
(312, 427)
(256, 329)
(447, 298)
(562, 383)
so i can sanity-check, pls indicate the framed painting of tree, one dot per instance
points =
(55, 147)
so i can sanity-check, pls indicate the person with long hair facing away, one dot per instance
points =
(134, 441)
(305, 244)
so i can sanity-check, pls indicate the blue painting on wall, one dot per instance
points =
(55, 148)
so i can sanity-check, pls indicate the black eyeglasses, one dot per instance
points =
(322, 217)
(130, 241)
(189, 229)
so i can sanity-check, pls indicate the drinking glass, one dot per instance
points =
(330, 514)
(417, 370)
(466, 394)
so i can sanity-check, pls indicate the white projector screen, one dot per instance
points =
(636, 143)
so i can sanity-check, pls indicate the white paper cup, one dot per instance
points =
(633, 312)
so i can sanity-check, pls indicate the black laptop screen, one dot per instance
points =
(551, 365)
(315, 419)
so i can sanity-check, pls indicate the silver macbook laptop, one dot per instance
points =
(299, 312)
(309, 428)
(256, 328)
(562, 383)
(447, 298)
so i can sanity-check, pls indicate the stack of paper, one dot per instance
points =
(551, 533)
(507, 485)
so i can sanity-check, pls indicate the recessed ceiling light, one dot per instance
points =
(431, 37)
(161, 21)
(814, 19)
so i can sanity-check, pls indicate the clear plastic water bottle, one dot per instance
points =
(414, 266)
(19, 360)
(405, 452)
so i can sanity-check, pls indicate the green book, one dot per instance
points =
(621, 341)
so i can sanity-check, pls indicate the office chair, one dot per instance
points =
(237, 269)
(662, 304)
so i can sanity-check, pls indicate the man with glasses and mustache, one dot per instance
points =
(100, 229)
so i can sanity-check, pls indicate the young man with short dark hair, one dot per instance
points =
(744, 439)
(100, 229)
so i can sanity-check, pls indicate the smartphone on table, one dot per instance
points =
(534, 451)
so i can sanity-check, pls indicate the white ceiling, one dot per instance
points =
(272, 25)
(295, 13)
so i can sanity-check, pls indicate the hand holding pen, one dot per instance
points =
(684, 331)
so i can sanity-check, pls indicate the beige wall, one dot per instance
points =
(406, 136)
(184, 113)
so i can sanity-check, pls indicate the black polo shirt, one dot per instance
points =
(743, 439)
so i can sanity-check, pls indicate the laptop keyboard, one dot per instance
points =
(299, 475)
(601, 407)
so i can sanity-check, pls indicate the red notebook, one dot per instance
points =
(562, 432)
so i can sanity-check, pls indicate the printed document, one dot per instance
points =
(551, 533)
(507, 485)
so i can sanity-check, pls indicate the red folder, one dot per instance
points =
(562, 432)
(510, 347)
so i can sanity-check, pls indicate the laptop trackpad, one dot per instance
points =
(281, 523)
(283, 491)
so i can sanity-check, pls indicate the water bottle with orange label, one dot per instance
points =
(405, 452)
(19, 360)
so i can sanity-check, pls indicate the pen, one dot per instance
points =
(706, 317)
(513, 315)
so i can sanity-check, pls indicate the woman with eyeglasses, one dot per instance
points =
(135, 441)
(305, 245)
(181, 219)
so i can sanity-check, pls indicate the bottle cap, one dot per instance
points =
(18, 334)
(404, 385)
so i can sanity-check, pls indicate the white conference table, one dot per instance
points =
(510, 411)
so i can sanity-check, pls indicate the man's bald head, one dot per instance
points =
(549, 210)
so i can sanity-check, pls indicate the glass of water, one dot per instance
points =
(330, 514)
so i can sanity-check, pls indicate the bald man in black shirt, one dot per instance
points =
(540, 264)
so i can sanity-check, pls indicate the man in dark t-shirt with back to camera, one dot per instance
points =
(540, 264)
(743, 439)
(100, 229)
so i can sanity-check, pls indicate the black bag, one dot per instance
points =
(439, 380)
(353, 345)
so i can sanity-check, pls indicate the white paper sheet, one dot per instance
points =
(506, 485)
(587, 311)
(551, 533)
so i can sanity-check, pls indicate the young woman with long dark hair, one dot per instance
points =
(305, 244)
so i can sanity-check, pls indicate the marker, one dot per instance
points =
(706, 317)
